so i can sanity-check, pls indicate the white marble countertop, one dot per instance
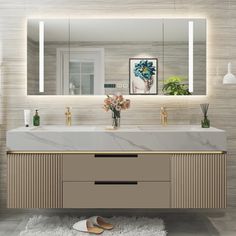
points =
(127, 138)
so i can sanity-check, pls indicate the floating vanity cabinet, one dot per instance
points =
(114, 180)
(79, 167)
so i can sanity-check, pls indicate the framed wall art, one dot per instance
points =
(143, 76)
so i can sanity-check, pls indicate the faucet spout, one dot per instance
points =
(68, 115)
(163, 116)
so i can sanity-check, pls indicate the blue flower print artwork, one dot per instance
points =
(143, 75)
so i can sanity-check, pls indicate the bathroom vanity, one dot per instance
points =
(132, 167)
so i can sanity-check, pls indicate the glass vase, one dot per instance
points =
(205, 122)
(115, 119)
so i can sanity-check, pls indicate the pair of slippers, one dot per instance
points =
(93, 225)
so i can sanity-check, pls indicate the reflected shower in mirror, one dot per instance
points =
(93, 56)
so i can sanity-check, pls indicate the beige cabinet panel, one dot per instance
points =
(136, 167)
(140, 195)
(34, 181)
(198, 181)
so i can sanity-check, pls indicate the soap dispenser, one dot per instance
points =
(36, 119)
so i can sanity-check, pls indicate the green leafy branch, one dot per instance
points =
(175, 85)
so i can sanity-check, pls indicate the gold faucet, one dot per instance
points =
(68, 116)
(163, 116)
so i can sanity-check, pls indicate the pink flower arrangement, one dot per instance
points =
(116, 103)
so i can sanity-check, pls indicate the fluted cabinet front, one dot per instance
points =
(34, 181)
(51, 180)
(198, 181)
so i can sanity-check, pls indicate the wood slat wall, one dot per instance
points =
(198, 181)
(144, 110)
(34, 181)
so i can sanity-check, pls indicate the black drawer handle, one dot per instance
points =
(116, 155)
(115, 182)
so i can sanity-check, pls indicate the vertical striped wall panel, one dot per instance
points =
(198, 181)
(34, 180)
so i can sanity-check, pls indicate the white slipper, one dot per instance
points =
(87, 227)
(100, 222)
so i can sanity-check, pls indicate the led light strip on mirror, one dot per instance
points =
(41, 56)
(190, 56)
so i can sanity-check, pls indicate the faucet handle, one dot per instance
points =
(68, 109)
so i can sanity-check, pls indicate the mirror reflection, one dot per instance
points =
(106, 56)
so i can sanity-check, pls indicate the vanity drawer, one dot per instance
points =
(137, 167)
(113, 195)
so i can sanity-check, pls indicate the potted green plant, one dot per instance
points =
(175, 85)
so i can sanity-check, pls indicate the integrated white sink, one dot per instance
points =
(178, 128)
(56, 128)
(127, 138)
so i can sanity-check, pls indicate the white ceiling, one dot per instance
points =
(117, 29)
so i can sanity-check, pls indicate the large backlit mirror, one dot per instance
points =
(106, 56)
